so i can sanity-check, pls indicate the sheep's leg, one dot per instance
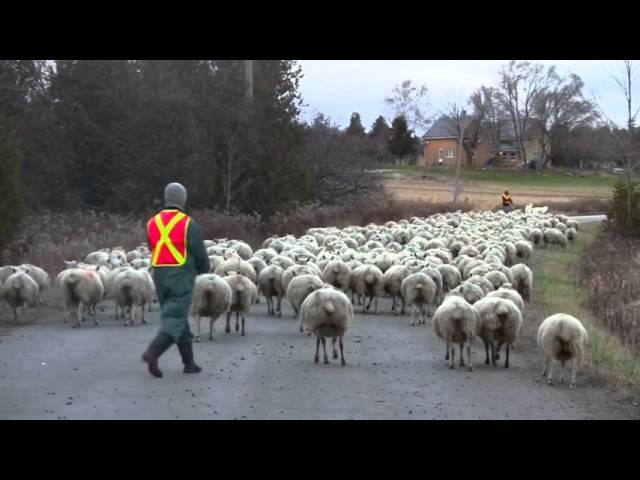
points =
(316, 358)
(550, 376)
(469, 356)
(413, 315)
(342, 353)
(446, 355)
(212, 328)
(562, 372)
(376, 309)
(506, 361)
(546, 366)
(403, 305)
(142, 313)
(393, 305)
(461, 355)
(237, 321)
(198, 321)
(335, 351)
(574, 364)
(370, 301)
(228, 327)
(15, 313)
(324, 350)
(269, 305)
(486, 352)
(280, 306)
(451, 358)
(78, 315)
(243, 320)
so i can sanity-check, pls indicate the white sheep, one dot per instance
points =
(393, 279)
(243, 295)
(6, 272)
(482, 282)
(562, 337)
(418, 291)
(496, 278)
(211, 298)
(327, 312)
(469, 291)
(522, 280)
(300, 288)
(507, 291)
(338, 274)
(237, 265)
(20, 290)
(500, 321)
(523, 251)
(81, 287)
(368, 282)
(38, 274)
(130, 287)
(296, 271)
(553, 236)
(456, 322)
(270, 285)
(451, 277)
(571, 234)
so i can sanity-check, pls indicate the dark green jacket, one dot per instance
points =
(174, 286)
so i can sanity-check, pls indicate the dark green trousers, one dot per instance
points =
(174, 290)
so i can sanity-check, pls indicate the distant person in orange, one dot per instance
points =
(507, 202)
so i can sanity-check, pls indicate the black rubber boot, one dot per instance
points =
(158, 346)
(186, 352)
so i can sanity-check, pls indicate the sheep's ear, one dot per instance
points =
(97, 267)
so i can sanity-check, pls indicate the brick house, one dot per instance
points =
(441, 145)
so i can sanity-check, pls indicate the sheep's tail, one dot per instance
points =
(420, 286)
(329, 307)
(208, 295)
(368, 279)
(570, 338)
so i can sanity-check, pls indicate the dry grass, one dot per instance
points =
(558, 287)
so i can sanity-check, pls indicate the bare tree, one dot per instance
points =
(410, 102)
(458, 120)
(561, 108)
(490, 114)
(624, 146)
(521, 86)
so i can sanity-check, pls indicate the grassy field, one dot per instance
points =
(548, 179)
(556, 290)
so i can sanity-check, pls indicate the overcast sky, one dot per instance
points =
(339, 87)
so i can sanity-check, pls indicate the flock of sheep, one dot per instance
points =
(467, 271)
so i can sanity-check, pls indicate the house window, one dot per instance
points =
(446, 153)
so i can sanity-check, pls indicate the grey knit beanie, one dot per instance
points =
(175, 195)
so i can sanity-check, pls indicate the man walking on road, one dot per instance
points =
(178, 254)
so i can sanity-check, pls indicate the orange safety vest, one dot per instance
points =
(167, 233)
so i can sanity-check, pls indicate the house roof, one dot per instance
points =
(445, 127)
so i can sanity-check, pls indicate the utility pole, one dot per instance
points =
(248, 80)
(457, 188)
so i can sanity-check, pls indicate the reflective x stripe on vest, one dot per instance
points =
(165, 240)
